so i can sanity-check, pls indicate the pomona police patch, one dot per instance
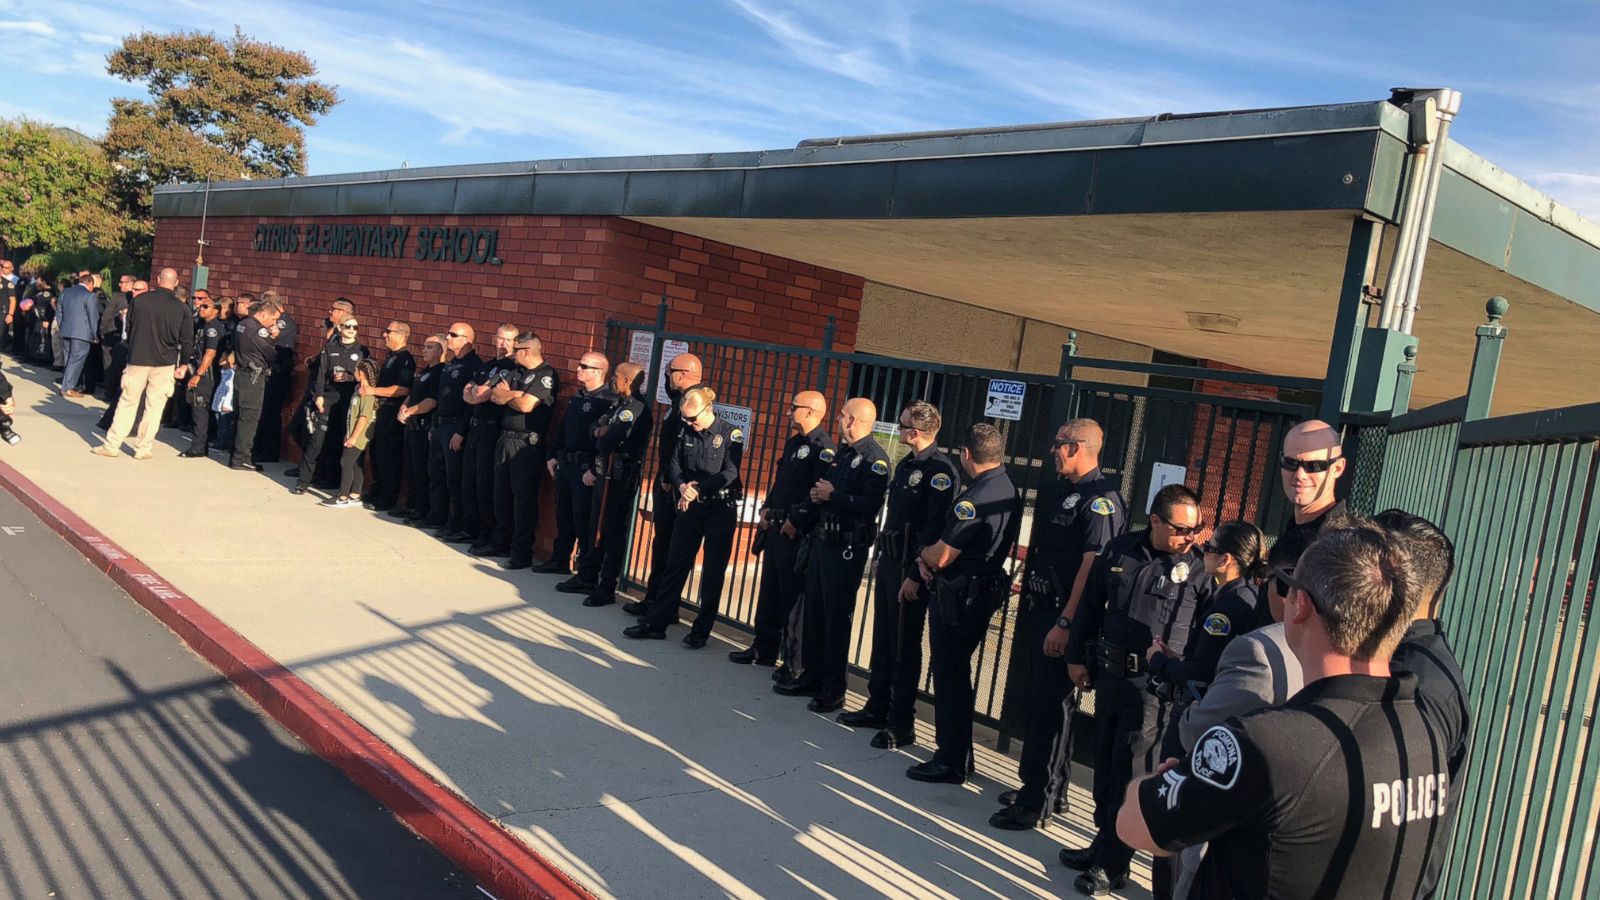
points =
(940, 482)
(965, 510)
(1101, 507)
(879, 467)
(1217, 625)
(1215, 759)
(827, 454)
(625, 416)
(737, 436)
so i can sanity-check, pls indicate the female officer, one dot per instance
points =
(1236, 559)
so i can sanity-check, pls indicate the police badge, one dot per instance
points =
(803, 452)
(915, 479)
(1180, 572)
(855, 463)
(716, 442)
(1070, 501)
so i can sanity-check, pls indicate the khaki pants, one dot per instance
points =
(152, 383)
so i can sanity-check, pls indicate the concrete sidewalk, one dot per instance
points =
(638, 768)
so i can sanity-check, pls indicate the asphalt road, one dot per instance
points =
(129, 768)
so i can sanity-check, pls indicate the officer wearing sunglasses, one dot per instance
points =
(1312, 461)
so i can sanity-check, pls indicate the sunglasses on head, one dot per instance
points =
(1179, 530)
(1314, 466)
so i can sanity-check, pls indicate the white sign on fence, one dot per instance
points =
(668, 351)
(1161, 475)
(639, 349)
(1005, 399)
(737, 416)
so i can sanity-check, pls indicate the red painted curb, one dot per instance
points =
(481, 847)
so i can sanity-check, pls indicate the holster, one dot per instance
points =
(967, 598)
(802, 556)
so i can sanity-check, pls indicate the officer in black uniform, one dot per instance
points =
(683, 374)
(704, 473)
(840, 515)
(269, 440)
(311, 418)
(449, 431)
(572, 457)
(620, 439)
(1235, 556)
(1144, 585)
(209, 339)
(1337, 792)
(966, 579)
(395, 380)
(336, 385)
(416, 418)
(526, 395)
(921, 493)
(1071, 525)
(805, 458)
(252, 360)
(1311, 464)
(478, 448)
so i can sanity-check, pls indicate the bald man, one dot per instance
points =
(683, 374)
(1312, 461)
(571, 457)
(805, 458)
(621, 436)
(449, 431)
(840, 514)
(160, 328)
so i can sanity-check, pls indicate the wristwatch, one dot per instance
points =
(1064, 622)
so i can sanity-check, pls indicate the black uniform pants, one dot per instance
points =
(388, 455)
(417, 486)
(248, 390)
(615, 505)
(329, 463)
(1127, 737)
(831, 585)
(444, 479)
(574, 516)
(896, 648)
(269, 439)
(664, 512)
(517, 473)
(951, 645)
(781, 588)
(113, 359)
(315, 442)
(477, 480)
(1046, 759)
(711, 522)
(200, 403)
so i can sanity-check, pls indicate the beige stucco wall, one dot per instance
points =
(898, 322)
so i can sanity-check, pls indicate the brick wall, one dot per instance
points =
(1233, 449)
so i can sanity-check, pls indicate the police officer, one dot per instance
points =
(1312, 461)
(449, 431)
(208, 342)
(1338, 792)
(1071, 525)
(571, 458)
(704, 473)
(965, 575)
(1144, 585)
(314, 419)
(921, 493)
(683, 373)
(526, 394)
(416, 418)
(269, 440)
(1235, 558)
(841, 515)
(395, 380)
(252, 359)
(478, 447)
(336, 385)
(805, 458)
(620, 436)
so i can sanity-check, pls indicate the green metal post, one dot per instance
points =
(1486, 360)
(1406, 373)
(1063, 407)
(1360, 261)
(827, 347)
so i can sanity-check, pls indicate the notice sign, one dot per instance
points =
(669, 350)
(1005, 399)
(639, 349)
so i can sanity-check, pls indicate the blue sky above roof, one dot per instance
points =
(437, 83)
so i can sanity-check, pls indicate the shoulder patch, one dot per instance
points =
(879, 467)
(625, 416)
(1215, 759)
(736, 435)
(826, 455)
(1101, 507)
(940, 482)
(211, 332)
(548, 382)
(261, 332)
(1217, 625)
(965, 510)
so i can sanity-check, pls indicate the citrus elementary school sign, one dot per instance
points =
(434, 243)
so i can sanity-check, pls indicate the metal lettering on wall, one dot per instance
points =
(434, 243)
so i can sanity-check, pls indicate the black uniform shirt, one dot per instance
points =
(338, 360)
(584, 410)
(492, 373)
(1231, 611)
(1331, 795)
(859, 474)
(159, 331)
(542, 383)
(671, 429)
(983, 524)
(252, 344)
(805, 457)
(424, 386)
(399, 370)
(624, 431)
(1332, 517)
(923, 489)
(709, 458)
(1442, 696)
(457, 372)
(207, 336)
(287, 332)
(1135, 594)
(1079, 518)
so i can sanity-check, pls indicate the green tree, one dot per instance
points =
(55, 192)
(217, 110)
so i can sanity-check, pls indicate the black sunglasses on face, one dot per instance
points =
(1313, 466)
(391, 331)
(1212, 548)
(584, 366)
(1058, 443)
(1179, 530)
(455, 334)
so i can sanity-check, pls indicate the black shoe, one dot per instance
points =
(298, 489)
(633, 608)
(1015, 818)
(748, 655)
(862, 718)
(935, 772)
(825, 704)
(575, 585)
(245, 467)
(600, 598)
(1082, 860)
(400, 512)
(553, 567)
(694, 641)
(795, 688)
(516, 563)
(1097, 882)
(888, 740)
(292, 471)
(644, 632)
(460, 537)
(783, 673)
(187, 454)
(481, 549)
(368, 504)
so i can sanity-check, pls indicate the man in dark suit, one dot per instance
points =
(78, 315)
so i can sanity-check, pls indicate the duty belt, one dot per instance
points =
(446, 420)
(420, 423)
(532, 437)
(832, 528)
(1115, 659)
(892, 543)
(574, 456)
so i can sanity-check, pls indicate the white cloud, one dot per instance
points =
(1579, 190)
(42, 29)
(857, 62)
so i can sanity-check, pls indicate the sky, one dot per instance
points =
(443, 83)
